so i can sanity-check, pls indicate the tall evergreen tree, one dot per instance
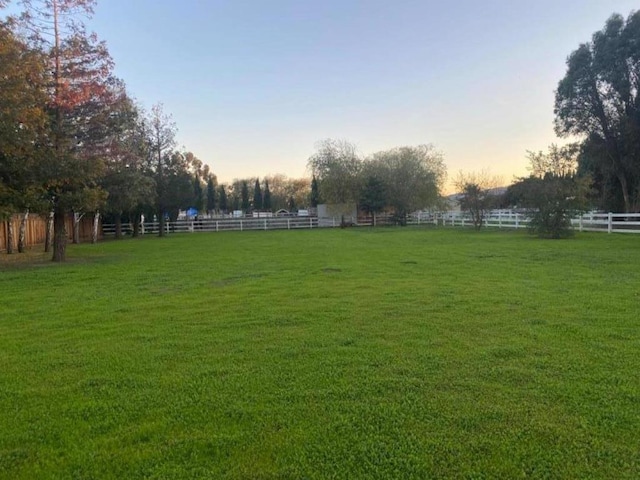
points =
(223, 200)
(257, 196)
(211, 196)
(244, 196)
(266, 201)
(315, 195)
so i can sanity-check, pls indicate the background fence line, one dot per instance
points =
(590, 222)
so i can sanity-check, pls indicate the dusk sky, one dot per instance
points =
(253, 85)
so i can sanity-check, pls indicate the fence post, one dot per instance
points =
(288, 224)
(265, 223)
(581, 215)
(310, 222)
(241, 225)
(610, 223)
(499, 218)
(517, 224)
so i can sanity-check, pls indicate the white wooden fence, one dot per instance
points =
(218, 225)
(591, 222)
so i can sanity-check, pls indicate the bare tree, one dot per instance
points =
(478, 194)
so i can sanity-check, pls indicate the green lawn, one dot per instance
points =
(389, 353)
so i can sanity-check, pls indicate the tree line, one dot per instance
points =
(74, 142)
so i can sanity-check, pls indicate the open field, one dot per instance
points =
(389, 353)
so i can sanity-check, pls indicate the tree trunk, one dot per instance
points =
(9, 236)
(136, 225)
(625, 193)
(76, 227)
(94, 230)
(48, 240)
(161, 223)
(118, 227)
(59, 235)
(22, 233)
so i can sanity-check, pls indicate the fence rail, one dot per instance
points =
(219, 225)
(591, 222)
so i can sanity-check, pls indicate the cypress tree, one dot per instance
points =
(257, 196)
(266, 202)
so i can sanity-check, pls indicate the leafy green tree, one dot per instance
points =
(373, 198)
(554, 193)
(337, 166)
(79, 96)
(413, 177)
(161, 133)
(477, 195)
(126, 180)
(23, 129)
(598, 100)
(211, 195)
(198, 194)
(314, 199)
(257, 196)
(223, 199)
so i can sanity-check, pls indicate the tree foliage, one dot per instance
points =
(412, 177)
(477, 194)
(554, 193)
(257, 196)
(336, 166)
(598, 100)
(211, 195)
(23, 123)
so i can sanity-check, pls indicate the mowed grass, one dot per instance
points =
(358, 353)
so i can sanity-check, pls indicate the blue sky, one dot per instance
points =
(254, 84)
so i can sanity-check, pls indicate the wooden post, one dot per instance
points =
(610, 223)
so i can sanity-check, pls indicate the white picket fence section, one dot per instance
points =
(590, 222)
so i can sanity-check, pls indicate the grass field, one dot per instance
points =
(389, 353)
